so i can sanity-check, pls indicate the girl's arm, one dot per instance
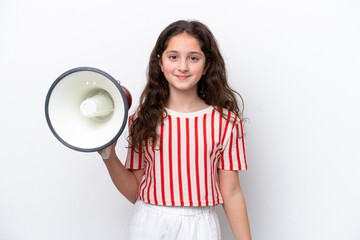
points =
(126, 181)
(234, 204)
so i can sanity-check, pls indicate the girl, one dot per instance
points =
(185, 144)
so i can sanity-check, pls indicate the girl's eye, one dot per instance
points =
(173, 57)
(193, 59)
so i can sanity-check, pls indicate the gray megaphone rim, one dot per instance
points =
(78, 69)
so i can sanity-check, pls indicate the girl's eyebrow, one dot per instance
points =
(174, 52)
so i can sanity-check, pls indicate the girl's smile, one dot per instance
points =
(180, 77)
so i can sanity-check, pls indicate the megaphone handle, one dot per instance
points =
(105, 153)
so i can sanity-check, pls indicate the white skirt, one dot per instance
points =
(154, 222)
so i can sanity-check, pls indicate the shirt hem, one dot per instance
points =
(184, 204)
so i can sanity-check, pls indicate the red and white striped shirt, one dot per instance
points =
(183, 172)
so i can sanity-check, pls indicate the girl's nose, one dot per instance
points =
(183, 66)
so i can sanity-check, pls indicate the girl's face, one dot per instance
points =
(183, 63)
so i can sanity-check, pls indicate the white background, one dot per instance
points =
(296, 64)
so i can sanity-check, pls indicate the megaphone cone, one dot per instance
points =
(86, 109)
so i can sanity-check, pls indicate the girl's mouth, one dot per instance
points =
(181, 77)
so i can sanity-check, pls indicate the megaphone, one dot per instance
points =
(87, 109)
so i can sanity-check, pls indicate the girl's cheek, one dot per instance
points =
(171, 66)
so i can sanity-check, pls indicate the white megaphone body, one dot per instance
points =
(87, 109)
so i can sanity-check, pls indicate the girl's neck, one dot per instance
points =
(185, 103)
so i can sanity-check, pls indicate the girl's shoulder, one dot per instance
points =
(228, 115)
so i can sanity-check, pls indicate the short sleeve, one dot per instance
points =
(134, 159)
(233, 155)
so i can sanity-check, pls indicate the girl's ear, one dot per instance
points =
(206, 67)
(160, 63)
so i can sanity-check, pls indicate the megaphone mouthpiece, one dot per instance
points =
(97, 105)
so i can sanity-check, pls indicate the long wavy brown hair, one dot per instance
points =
(213, 87)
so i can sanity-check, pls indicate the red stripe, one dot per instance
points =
(179, 162)
(243, 143)
(223, 139)
(188, 160)
(147, 172)
(230, 153)
(220, 127)
(215, 180)
(205, 161)
(237, 148)
(226, 127)
(140, 157)
(132, 150)
(212, 132)
(222, 161)
(154, 172)
(140, 166)
(212, 149)
(162, 161)
(216, 159)
(230, 145)
(197, 161)
(150, 163)
(132, 159)
(170, 164)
